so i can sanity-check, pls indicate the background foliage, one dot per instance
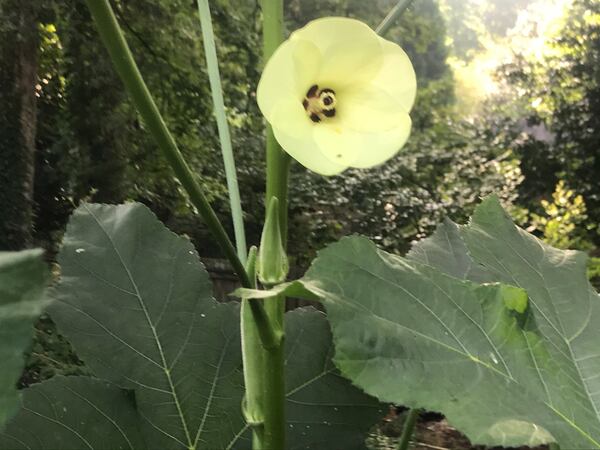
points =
(91, 145)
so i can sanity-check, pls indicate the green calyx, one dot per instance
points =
(272, 261)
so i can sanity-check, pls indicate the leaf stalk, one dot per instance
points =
(408, 429)
(392, 16)
(214, 77)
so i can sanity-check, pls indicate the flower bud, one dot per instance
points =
(272, 261)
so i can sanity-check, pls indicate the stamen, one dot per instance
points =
(319, 104)
(327, 99)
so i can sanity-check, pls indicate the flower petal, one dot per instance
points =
(336, 143)
(351, 51)
(369, 109)
(307, 60)
(380, 147)
(295, 133)
(397, 75)
(288, 74)
(361, 149)
(290, 118)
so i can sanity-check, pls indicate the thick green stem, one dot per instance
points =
(278, 163)
(264, 401)
(278, 167)
(409, 427)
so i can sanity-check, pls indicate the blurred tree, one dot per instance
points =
(563, 223)
(55, 162)
(94, 108)
(473, 23)
(501, 15)
(19, 43)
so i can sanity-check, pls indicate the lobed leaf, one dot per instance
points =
(508, 364)
(136, 303)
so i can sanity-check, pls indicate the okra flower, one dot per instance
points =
(337, 95)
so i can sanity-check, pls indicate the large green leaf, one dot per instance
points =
(74, 413)
(565, 306)
(23, 277)
(324, 411)
(446, 251)
(505, 369)
(136, 303)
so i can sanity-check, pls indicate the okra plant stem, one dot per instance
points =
(408, 429)
(278, 163)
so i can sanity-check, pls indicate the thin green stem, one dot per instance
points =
(409, 427)
(123, 61)
(392, 16)
(223, 127)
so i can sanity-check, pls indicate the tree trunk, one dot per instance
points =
(19, 43)
(95, 104)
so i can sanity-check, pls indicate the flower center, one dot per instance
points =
(319, 104)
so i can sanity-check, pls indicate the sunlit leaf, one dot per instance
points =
(505, 367)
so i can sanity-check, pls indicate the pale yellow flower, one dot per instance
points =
(337, 95)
